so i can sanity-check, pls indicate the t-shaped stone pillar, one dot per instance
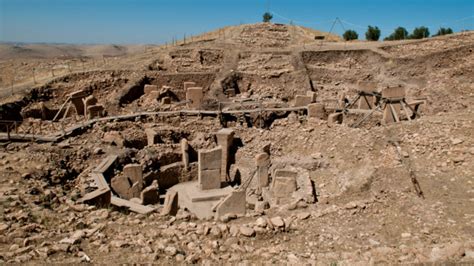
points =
(76, 99)
(225, 137)
(209, 168)
(194, 97)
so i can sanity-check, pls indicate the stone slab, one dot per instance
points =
(234, 203)
(367, 86)
(302, 100)
(317, 110)
(210, 159)
(100, 197)
(335, 118)
(150, 195)
(171, 204)
(152, 136)
(284, 183)
(121, 185)
(133, 172)
(94, 111)
(194, 97)
(394, 93)
(209, 179)
(169, 175)
(313, 95)
(135, 207)
(147, 89)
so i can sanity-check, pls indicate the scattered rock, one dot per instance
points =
(277, 221)
(247, 231)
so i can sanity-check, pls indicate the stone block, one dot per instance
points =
(210, 159)
(147, 89)
(234, 203)
(120, 185)
(94, 111)
(152, 136)
(313, 95)
(194, 97)
(89, 101)
(170, 206)
(209, 179)
(188, 84)
(170, 174)
(302, 100)
(150, 194)
(317, 110)
(394, 93)
(225, 137)
(284, 183)
(335, 118)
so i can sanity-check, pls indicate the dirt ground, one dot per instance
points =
(367, 209)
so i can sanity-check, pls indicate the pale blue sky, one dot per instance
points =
(158, 21)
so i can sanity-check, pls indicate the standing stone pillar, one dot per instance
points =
(194, 97)
(188, 84)
(262, 160)
(317, 110)
(185, 152)
(76, 99)
(209, 168)
(225, 137)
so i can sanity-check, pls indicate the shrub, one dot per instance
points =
(399, 33)
(372, 34)
(350, 35)
(267, 17)
(420, 33)
(443, 31)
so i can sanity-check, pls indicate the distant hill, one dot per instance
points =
(43, 51)
(265, 35)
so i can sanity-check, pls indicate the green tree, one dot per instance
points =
(350, 35)
(399, 33)
(267, 17)
(372, 33)
(420, 33)
(444, 31)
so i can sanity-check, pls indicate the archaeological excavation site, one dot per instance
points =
(258, 143)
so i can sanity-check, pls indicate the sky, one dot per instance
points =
(159, 21)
